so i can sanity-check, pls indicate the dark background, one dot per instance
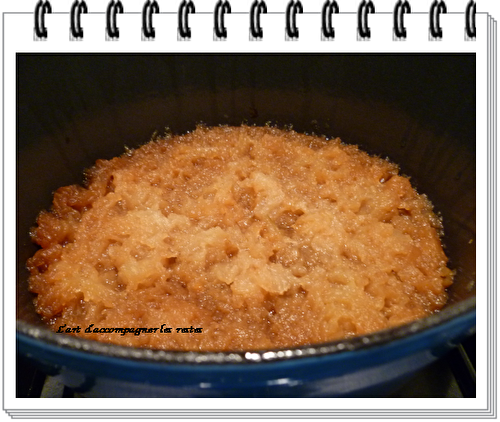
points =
(437, 89)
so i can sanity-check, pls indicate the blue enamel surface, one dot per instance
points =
(365, 371)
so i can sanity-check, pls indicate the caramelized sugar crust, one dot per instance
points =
(261, 237)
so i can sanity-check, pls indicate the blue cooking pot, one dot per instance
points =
(419, 110)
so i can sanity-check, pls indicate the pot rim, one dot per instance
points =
(44, 336)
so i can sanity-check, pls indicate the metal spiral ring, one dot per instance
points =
(41, 9)
(258, 7)
(326, 18)
(185, 9)
(401, 8)
(292, 9)
(470, 19)
(221, 8)
(364, 9)
(76, 12)
(437, 8)
(112, 10)
(147, 18)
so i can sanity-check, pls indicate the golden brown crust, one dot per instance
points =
(263, 238)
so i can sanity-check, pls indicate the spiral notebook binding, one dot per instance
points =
(256, 31)
(291, 30)
(258, 7)
(364, 9)
(327, 30)
(77, 9)
(470, 21)
(220, 30)
(41, 9)
(148, 31)
(183, 30)
(435, 30)
(112, 31)
(400, 9)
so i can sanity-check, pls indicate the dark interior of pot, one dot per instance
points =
(417, 110)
